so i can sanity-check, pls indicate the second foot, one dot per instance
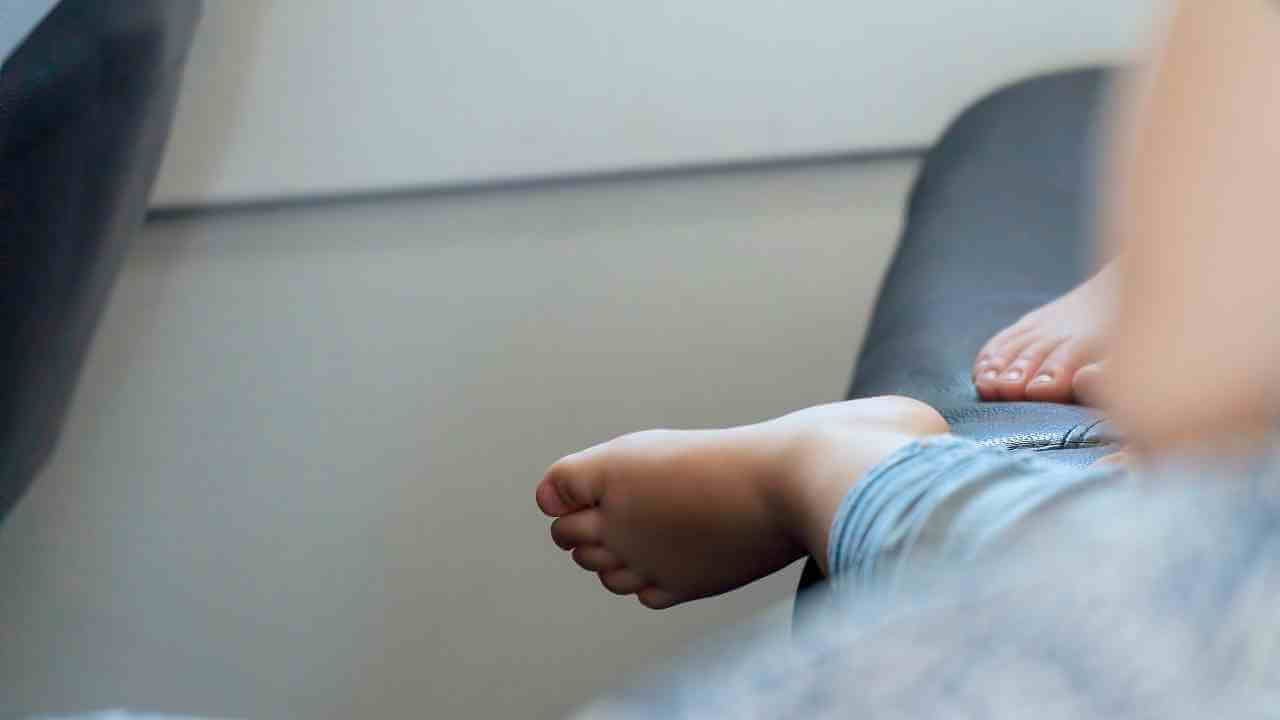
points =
(675, 515)
(1038, 357)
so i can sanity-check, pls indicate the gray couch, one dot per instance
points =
(999, 222)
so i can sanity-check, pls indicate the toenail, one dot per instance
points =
(990, 375)
(1014, 374)
(1042, 378)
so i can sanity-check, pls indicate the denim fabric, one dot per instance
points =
(1059, 594)
(945, 498)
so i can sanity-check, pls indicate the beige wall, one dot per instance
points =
(297, 477)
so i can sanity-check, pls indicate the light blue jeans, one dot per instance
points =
(942, 499)
(977, 583)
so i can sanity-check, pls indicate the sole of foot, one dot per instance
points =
(675, 515)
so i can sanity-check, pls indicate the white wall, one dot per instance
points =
(298, 97)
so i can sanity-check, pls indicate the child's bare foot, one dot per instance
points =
(1037, 358)
(676, 515)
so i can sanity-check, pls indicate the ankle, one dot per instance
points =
(813, 475)
(821, 466)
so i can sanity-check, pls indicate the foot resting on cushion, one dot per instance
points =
(1053, 353)
(676, 515)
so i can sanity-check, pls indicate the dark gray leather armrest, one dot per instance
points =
(999, 222)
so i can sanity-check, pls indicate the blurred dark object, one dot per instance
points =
(86, 102)
(1000, 221)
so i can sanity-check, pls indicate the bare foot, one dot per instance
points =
(676, 515)
(1037, 357)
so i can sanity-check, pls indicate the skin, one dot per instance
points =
(1195, 350)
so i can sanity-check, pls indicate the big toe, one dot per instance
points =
(549, 500)
(569, 485)
(1087, 383)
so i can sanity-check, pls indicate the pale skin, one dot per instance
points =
(1196, 343)
(1188, 329)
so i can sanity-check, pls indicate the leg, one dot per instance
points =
(678, 515)
(1193, 202)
